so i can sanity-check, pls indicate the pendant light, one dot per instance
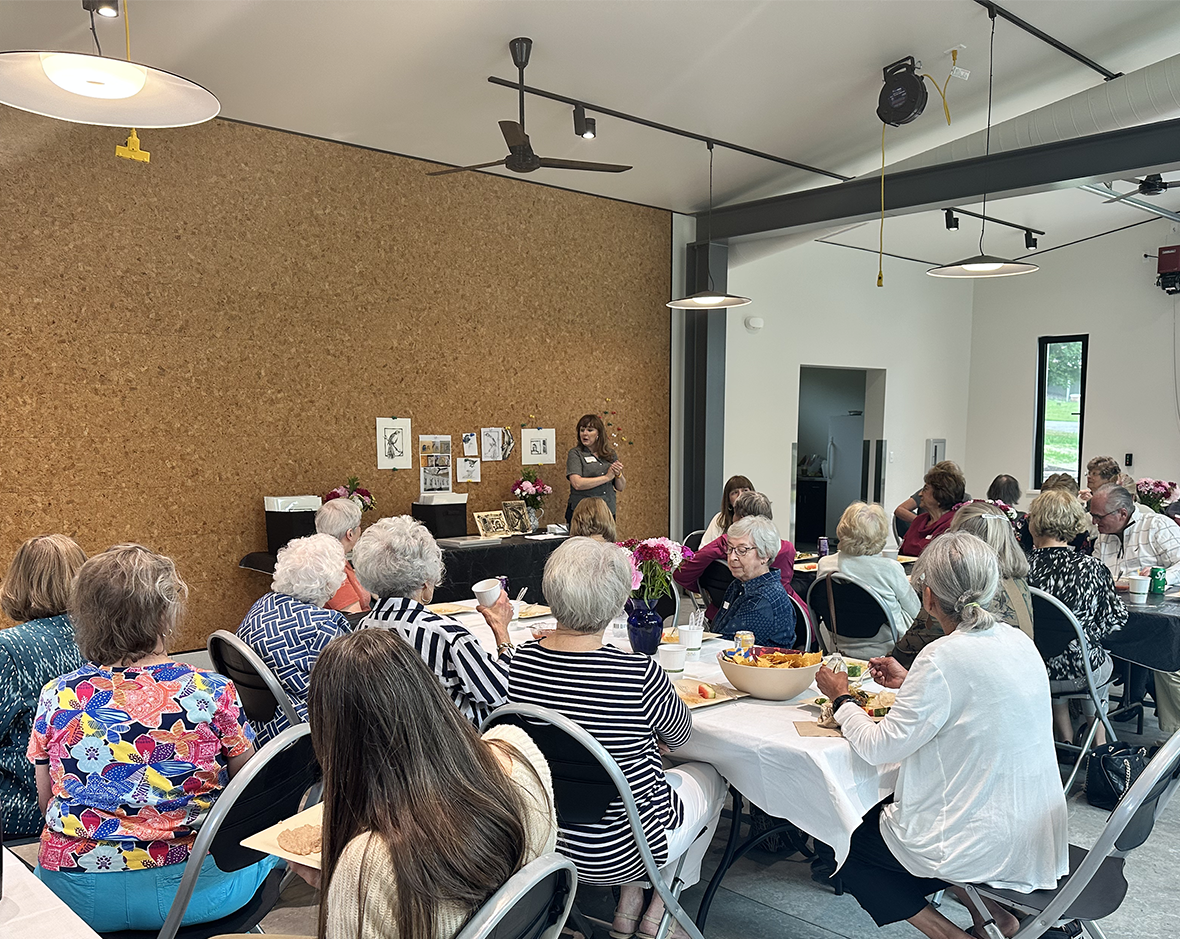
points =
(708, 299)
(982, 264)
(97, 89)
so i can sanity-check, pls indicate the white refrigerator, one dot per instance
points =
(844, 466)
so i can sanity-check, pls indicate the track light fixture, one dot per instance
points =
(952, 223)
(584, 126)
(109, 8)
(1029, 241)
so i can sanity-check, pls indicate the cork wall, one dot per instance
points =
(179, 339)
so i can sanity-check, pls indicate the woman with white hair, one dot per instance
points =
(400, 563)
(625, 700)
(341, 518)
(756, 599)
(978, 796)
(290, 626)
(862, 532)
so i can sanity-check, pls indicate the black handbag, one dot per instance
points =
(1113, 767)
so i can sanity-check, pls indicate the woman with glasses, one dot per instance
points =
(756, 601)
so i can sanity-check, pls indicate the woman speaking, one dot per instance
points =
(592, 467)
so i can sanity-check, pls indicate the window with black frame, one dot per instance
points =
(1061, 406)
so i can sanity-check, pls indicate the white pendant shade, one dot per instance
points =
(91, 89)
(983, 265)
(708, 300)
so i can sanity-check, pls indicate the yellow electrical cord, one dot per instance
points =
(881, 245)
(127, 29)
(934, 81)
(131, 150)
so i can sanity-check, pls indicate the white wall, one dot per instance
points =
(1104, 288)
(822, 307)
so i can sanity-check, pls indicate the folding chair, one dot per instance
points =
(1096, 884)
(714, 581)
(586, 779)
(533, 904)
(268, 789)
(258, 687)
(862, 611)
(668, 608)
(899, 529)
(802, 623)
(1054, 627)
(693, 541)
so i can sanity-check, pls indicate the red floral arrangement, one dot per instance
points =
(653, 561)
(354, 491)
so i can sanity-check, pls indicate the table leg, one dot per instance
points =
(735, 831)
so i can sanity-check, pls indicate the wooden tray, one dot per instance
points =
(686, 690)
(267, 841)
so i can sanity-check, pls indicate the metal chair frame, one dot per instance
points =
(1089, 691)
(520, 888)
(672, 619)
(824, 633)
(282, 699)
(669, 894)
(698, 601)
(802, 615)
(1127, 828)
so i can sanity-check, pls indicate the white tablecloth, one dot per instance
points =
(30, 910)
(817, 783)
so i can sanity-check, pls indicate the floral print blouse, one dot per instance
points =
(136, 756)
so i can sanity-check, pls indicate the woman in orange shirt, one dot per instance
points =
(341, 518)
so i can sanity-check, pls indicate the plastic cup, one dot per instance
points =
(1138, 585)
(692, 637)
(672, 658)
(487, 592)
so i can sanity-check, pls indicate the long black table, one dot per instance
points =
(1152, 635)
(520, 559)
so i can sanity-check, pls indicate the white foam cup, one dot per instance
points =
(487, 592)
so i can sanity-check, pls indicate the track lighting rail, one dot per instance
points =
(994, 9)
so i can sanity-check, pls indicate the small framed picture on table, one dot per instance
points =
(517, 514)
(491, 524)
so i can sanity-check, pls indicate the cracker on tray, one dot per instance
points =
(302, 840)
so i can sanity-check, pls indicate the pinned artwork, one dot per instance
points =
(517, 514)
(471, 444)
(491, 524)
(467, 469)
(434, 452)
(492, 443)
(394, 450)
(509, 443)
(538, 445)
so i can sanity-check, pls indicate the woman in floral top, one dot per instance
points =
(1082, 583)
(130, 752)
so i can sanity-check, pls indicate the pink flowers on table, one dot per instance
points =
(531, 488)
(1155, 493)
(354, 491)
(653, 561)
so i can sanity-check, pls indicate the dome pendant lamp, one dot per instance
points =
(708, 299)
(985, 265)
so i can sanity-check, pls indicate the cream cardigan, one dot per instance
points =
(380, 897)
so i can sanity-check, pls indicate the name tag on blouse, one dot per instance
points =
(725, 605)
(591, 459)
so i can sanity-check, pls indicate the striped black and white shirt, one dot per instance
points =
(628, 704)
(476, 682)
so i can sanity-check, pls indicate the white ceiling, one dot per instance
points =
(798, 78)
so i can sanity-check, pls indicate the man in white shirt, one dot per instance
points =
(1130, 540)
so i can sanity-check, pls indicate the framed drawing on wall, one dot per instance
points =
(491, 524)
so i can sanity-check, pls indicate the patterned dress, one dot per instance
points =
(136, 756)
(1085, 585)
(31, 654)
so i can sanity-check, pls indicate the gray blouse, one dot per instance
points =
(582, 462)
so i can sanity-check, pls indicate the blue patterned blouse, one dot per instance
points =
(31, 655)
(760, 605)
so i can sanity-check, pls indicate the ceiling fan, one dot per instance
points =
(521, 158)
(1151, 185)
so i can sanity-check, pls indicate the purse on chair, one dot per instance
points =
(1112, 768)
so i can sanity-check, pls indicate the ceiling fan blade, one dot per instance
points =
(514, 134)
(464, 169)
(549, 163)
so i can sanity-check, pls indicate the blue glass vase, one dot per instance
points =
(645, 627)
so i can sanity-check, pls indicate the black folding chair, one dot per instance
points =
(1054, 628)
(668, 608)
(268, 789)
(714, 581)
(1096, 883)
(258, 687)
(586, 780)
(533, 904)
(899, 529)
(862, 611)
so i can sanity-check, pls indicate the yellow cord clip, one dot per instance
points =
(132, 151)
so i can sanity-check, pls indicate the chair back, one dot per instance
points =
(1054, 625)
(899, 529)
(533, 904)
(258, 687)
(715, 580)
(861, 613)
(668, 607)
(804, 631)
(692, 540)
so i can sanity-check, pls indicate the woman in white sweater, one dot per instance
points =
(862, 532)
(978, 796)
(423, 819)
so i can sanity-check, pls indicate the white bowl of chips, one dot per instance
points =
(769, 673)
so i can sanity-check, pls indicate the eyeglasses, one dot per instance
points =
(741, 550)
(1097, 517)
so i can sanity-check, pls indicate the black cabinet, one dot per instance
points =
(811, 510)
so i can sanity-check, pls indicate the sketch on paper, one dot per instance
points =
(492, 439)
(393, 443)
(537, 445)
(509, 444)
(467, 470)
(436, 479)
(471, 444)
(434, 454)
(517, 514)
(491, 524)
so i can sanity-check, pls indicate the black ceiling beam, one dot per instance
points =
(994, 10)
(1058, 165)
(666, 128)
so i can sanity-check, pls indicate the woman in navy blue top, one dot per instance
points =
(35, 594)
(756, 599)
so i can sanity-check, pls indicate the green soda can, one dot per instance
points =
(1159, 580)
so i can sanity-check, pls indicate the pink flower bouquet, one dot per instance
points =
(531, 488)
(353, 490)
(1155, 493)
(653, 561)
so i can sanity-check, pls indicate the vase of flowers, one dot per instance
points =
(532, 489)
(653, 561)
(353, 490)
(1155, 493)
